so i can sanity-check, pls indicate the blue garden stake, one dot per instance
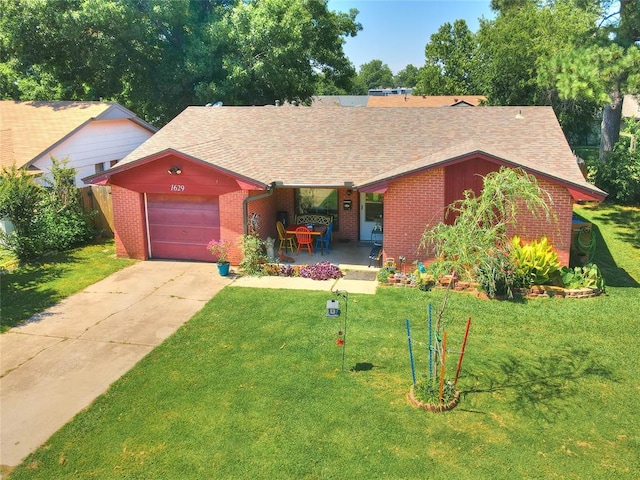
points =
(430, 347)
(413, 368)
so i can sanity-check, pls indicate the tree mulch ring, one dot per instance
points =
(411, 398)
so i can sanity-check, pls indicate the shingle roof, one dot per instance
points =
(322, 147)
(29, 129)
(424, 100)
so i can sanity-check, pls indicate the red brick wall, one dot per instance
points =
(349, 220)
(557, 229)
(130, 231)
(231, 222)
(410, 205)
(414, 203)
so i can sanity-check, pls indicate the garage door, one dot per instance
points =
(180, 227)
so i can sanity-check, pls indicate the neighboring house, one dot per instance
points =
(385, 92)
(210, 169)
(93, 136)
(426, 101)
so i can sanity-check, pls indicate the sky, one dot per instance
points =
(396, 32)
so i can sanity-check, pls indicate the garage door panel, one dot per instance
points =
(183, 234)
(175, 216)
(181, 226)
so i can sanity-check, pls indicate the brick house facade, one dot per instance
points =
(222, 173)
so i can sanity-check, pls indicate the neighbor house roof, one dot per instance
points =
(328, 147)
(425, 100)
(30, 129)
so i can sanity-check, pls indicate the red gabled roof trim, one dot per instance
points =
(577, 192)
(102, 178)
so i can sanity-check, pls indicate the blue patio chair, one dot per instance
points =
(324, 242)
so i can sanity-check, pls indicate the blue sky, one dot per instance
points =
(397, 31)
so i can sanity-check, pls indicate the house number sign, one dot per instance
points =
(177, 188)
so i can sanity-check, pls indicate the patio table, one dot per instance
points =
(317, 230)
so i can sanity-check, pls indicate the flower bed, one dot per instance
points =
(316, 271)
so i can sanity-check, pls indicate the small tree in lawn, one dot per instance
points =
(479, 233)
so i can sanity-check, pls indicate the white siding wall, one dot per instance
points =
(98, 142)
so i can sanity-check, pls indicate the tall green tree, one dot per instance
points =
(159, 56)
(451, 67)
(514, 52)
(282, 49)
(407, 77)
(373, 74)
(604, 66)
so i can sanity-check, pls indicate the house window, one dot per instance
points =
(318, 200)
(373, 207)
(113, 163)
(99, 167)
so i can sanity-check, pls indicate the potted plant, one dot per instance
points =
(220, 250)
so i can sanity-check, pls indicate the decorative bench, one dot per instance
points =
(314, 218)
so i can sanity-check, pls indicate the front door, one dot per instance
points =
(371, 210)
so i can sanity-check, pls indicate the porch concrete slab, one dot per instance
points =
(48, 391)
(17, 348)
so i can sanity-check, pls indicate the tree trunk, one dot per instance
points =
(610, 126)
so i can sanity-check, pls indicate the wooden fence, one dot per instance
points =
(97, 198)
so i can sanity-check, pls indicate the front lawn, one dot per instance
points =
(29, 288)
(251, 387)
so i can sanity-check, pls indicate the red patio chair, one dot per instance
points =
(303, 238)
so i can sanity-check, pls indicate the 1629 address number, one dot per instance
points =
(177, 188)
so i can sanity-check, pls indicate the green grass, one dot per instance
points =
(29, 288)
(251, 387)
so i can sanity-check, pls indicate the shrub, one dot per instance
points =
(45, 218)
(588, 276)
(253, 256)
(496, 273)
(620, 175)
(536, 262)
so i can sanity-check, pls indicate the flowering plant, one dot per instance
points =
(219, 249)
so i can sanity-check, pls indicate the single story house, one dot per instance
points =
(93, 136)
(210, 170)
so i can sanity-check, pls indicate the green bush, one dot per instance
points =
(496, 274)
(588, 276)
(536, 262)
(253, 256)
(620, 175)
(45, 218)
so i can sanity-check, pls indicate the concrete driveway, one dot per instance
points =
(58, 363)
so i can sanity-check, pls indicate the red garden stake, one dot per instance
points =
(464, 344)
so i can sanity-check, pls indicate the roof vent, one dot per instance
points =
(519, 115)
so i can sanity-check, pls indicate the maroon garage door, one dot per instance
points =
(180, 227)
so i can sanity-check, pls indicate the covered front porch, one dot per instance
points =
(348, 255)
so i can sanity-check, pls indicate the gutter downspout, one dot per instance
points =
(245, 214)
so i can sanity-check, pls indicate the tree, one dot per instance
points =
(157, 57)
(604, 67)
(373, 74)
(407, 77)
(451, 66)
(514, 52)
(282, 49)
